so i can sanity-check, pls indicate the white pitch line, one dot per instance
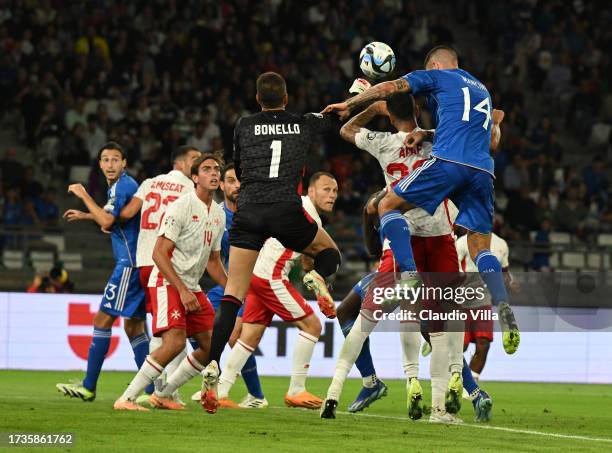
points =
(494, 428)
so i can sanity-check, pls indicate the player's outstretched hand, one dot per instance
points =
(190, 301)
(341, 109)
(414, 138)
(74, 214)
(78, 190)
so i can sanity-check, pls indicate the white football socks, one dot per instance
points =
(438, 367)
(454, 337)
(348, 354)
(234, 363)
(155, 343)
(410, 336)
(149, 371)
(188, 368)
(302, 353)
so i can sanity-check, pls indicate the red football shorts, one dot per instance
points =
(169, 312)
(431, 254)
(267, 298)
(145, 273)
(481, 328)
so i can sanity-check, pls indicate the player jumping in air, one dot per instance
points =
(461, 169)
(432, 240)
(189, 241)
(272, 293)
(151, 200)
(269, 152)
(123, 295)
(230, 185)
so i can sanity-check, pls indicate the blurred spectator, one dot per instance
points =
(520, 212)
(515, 175)
(95, 136)
(571, 211)
(596, 180)
(46, 208)
(56, 281)
(541, 256)
(12, 169)
(14, 211)
(30, 188)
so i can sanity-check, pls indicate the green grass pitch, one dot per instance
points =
(527, 417)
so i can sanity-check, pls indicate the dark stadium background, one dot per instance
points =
(157, 74)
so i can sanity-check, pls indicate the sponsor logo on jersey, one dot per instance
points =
(195, 218)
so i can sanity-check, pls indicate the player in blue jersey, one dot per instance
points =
(123, 295)
(230, 185)
(461, 168)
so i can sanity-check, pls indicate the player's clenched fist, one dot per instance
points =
(77, 189)
(190, 301)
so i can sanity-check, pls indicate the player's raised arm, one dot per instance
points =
(96, 213)
(374, 93)
(354, 125)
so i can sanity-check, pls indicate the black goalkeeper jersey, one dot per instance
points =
(270, 151)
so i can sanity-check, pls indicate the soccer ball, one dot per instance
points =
(377, 60)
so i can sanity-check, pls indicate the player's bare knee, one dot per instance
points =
(103, 320)
(133, 327)
(312, 326)
(173, 341)
(251, 334)
(327, 262)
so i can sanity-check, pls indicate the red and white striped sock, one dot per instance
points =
(235, 361)
(149, 371)
(188, 368)
(302, 353)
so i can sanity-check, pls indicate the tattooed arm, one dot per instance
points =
(354, 125)
(375, 93)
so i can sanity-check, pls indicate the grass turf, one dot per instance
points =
(527, 417)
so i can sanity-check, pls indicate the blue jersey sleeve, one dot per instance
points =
(421, 81)
(119, 195)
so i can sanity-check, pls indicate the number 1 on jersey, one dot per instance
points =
(482, 107)
(276, 158)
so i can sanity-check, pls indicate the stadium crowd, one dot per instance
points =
(157, 74)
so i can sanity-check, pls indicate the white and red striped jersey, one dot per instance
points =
(397, 162)
(196, 230)
(275, 261)
(156, 194)
(499, 248)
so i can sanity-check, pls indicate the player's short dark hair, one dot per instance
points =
(205, 156)
(112, 145)
(181, 152)
(436, 49)
(401, 105)
(272, 89)
(314, 178)
(229, 166)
